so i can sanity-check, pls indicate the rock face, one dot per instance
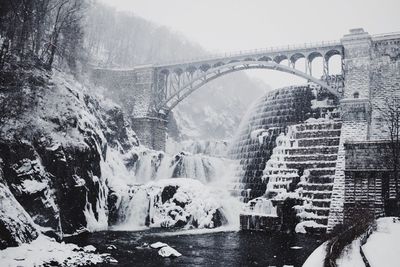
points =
(16, 226)
(54, 138)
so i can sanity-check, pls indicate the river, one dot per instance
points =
(204, 248)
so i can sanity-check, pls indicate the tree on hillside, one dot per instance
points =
(41, 28)
(390, 115)
(114, 38)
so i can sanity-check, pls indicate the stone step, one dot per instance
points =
(314, 150)
(322, 172)
(317, 133)
(323, 179)
(311, 164)
(322, 203)
(310, 142)
(319, 212)
(311, 157)
(318, 126)
(252, 180)
(317, 194)
(318, 187)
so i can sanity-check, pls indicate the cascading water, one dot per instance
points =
(253, 145)
(160, 190)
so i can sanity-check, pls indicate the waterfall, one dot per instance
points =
(136, 210)
(161, 190)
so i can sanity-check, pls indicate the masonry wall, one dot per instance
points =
(369, 183)
(151, 132)
(133, 89)
(351, 130)
(385, 82)
(372, 76)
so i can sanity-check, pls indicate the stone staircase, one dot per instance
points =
(256, 137)
(309, 156)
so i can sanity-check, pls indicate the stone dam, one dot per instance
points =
(310, 157)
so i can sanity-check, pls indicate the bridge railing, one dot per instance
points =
(266, 50)
(386, 35)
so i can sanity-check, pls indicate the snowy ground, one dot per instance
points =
(316, 259)
(45, 252)
(351, 255)
(382, 247)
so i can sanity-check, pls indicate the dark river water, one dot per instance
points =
(209, 249)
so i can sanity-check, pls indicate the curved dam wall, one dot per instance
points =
(265, 120)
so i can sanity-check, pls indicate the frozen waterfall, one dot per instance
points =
(160, 190)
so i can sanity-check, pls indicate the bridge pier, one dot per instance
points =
(151, 131)
(134, 90)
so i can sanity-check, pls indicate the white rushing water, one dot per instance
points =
(161, 190)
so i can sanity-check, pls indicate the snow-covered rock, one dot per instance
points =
(16, 226)
(180, 202)
(158, 245)
(167, 251)
(89, 248)
(301, 227)
(111, 247)
(46, 252)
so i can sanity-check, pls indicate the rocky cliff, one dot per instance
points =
(54, 140)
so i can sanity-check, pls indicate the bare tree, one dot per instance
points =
(44, 29)
(390, 114)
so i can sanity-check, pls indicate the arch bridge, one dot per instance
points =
(176, 80)
(148, 93)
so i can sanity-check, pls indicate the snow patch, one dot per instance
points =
(167, 251)
(45, 251)
(382, 247)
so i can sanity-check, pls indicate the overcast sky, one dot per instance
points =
(231, 25)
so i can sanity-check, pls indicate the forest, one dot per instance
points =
(70, 34)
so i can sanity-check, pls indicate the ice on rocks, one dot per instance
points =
(158, 245)
(180, 202)
(111, 247)
(89, 248)
(167, 251)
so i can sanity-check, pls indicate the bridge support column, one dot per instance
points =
(151, 131)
